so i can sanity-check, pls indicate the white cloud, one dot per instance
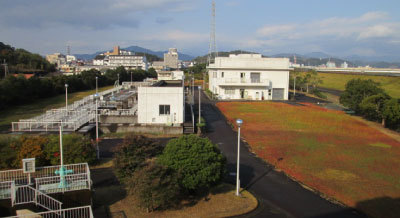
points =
(376, 31)
(275, 30)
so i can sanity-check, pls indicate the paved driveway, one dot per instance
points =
(278, 195)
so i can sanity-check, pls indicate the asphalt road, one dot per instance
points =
(278, 195)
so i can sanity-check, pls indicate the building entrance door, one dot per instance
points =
(242, 93)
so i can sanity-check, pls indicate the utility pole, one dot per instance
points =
(5, 68)
(97, 133)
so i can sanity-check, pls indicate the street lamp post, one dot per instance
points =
(239, 122)
(96, 85)
(131, 77)
(66, 97)
(97, 132)
(199, 104)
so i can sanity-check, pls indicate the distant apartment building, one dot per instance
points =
(128, 61)
(56, 58)
(171, 59)
(330, 64)
(249, 76)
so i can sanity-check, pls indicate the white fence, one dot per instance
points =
(78, 212)
(27, 194)
(21, 178)
(74, 182)
(5, 189)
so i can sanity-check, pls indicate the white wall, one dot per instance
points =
(149, 99)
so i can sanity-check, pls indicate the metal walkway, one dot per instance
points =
(24, 188)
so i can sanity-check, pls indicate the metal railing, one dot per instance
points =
(27, 194)
(77, 212)
(120, 112)
(74, 182)
(21, 178)
(246, 80)
(5, 189)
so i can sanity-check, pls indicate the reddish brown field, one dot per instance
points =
(329, 151)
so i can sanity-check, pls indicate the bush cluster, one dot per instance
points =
(368, 99)
(159, 178)
(46, 150)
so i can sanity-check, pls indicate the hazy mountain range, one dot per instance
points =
(312, 58)
(160, 54)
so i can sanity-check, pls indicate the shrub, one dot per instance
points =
(8, 154)
(76, 149)
(391, 114)
(132, 153)
(30, 147)
(155, 186)
(372, 107)
(199, 161)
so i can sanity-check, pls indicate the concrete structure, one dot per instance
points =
(331, 64)
(158, 65)
(70, 58)
(171, 59)
(170, 75)
(116, 51)
(249, 76)
(162, 104)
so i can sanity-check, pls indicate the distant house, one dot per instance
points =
(249, 76)
(26, 75)
(162, 104)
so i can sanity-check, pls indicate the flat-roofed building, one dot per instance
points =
(249, 76)
(171, 59)
(162, 104)
(128, 61)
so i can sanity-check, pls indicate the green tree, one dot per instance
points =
(372, 107)
(357, 90)
(391, 113)
(132, 153)
(197, 159)
(155, 186)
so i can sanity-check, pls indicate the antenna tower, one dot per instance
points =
(212, 52)
(68, 50)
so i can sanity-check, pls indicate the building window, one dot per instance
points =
(242, 75)
(165, 109)
(229, 91)
(222, 74)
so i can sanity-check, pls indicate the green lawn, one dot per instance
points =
(38, 107)
(338, 81)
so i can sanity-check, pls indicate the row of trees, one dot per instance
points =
(306, 81)
(20, 60)
(368, 99)
(16, 90)
(46, 150)
(161, 177)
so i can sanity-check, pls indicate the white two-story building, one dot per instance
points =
(249, 76)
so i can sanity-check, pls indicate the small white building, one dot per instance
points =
(249, 76)
(170, 75)
(162, 104)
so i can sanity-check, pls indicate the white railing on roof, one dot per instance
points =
(119, 112)
(77, 212)
(27, 194)
(74, 182)
(21, 178)
(6, 189)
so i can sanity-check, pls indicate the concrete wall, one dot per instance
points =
(153, 129)
(149, 100)
(107, 119)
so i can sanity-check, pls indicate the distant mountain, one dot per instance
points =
(137, 49)
(318, 55)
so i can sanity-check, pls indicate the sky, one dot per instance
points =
(339, 28)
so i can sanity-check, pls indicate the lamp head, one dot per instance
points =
(66, 85)
(199, 87)
(239, 122)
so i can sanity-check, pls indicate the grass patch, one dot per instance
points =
(40, 106)
(327, 150)
(381, 145)
(338, 81)
(221, 202)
